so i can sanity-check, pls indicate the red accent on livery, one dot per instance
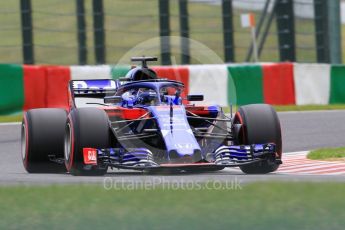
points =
(124, 113)
(198, 110)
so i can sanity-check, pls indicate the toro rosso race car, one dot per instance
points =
(142, 122)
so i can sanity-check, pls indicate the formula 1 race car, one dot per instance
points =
(147, 123)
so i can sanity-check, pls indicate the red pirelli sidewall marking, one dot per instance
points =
(25, 161)
(71, 155)
(241, 121)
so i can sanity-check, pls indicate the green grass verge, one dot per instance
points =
(255, 206)
(328, 154)
(11, 118)
(308, 107)
(286, 108)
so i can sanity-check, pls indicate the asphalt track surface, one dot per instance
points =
(302, 131)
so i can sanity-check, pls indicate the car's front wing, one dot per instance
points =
(142, 159)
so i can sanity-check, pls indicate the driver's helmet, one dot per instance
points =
(140, 73)
(146, 97)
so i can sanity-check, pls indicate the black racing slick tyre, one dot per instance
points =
(260, 124)
(42, 139)
(85, 128)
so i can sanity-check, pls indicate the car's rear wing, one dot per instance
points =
(92, 88)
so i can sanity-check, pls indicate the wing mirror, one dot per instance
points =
(112, 100)
(195, 97)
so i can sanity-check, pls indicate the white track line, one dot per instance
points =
(337, 173)
(313, 111)
(303, 153)
(10, 123)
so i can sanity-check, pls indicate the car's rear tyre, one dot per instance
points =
(260, 124)
(42, 134)
(85, 128)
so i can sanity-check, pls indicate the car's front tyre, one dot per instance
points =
(260, 125)
(85, 128)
